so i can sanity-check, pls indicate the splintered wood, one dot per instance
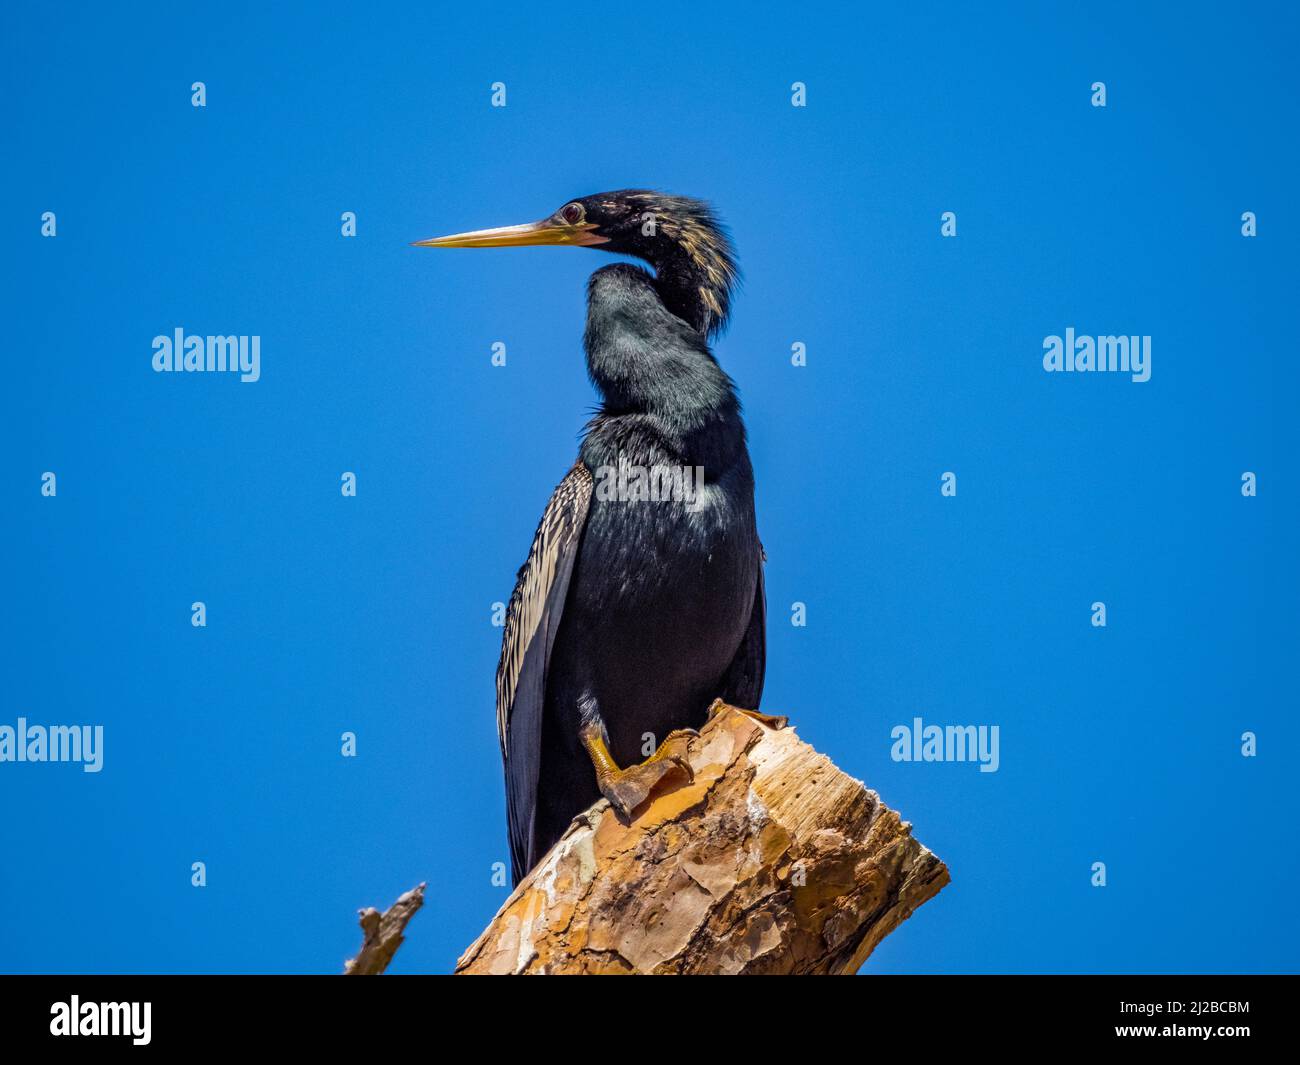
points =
(772, 861)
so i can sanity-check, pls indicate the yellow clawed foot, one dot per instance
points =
(626, 789)
(777, 721)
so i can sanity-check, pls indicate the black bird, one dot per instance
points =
(632, 614)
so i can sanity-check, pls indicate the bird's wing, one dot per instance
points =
(742, 684)
(532, 621)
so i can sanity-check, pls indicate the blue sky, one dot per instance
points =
(373, 614)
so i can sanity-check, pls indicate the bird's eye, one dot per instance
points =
(573, 213)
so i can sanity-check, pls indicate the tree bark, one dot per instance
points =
(771, 861)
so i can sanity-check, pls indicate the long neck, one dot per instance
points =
(696, 288)
(645, 359)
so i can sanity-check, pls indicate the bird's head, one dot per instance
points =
(681, 238)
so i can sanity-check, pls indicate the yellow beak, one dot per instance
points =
(547, 231)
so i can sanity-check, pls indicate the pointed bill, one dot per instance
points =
(547, 231)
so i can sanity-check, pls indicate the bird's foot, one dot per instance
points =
(777, 721)
(626, 789)
(673, 749)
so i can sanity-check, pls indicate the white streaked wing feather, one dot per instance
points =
(561, 523)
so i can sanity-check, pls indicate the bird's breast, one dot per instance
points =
(690, 562)
(670, 542)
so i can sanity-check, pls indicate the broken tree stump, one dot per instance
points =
(771, 861)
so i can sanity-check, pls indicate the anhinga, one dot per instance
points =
(632, 614)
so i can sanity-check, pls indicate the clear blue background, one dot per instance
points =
(373, 614)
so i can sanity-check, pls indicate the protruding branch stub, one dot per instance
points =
(383, 933)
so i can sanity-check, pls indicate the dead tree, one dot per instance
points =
(770, 861)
